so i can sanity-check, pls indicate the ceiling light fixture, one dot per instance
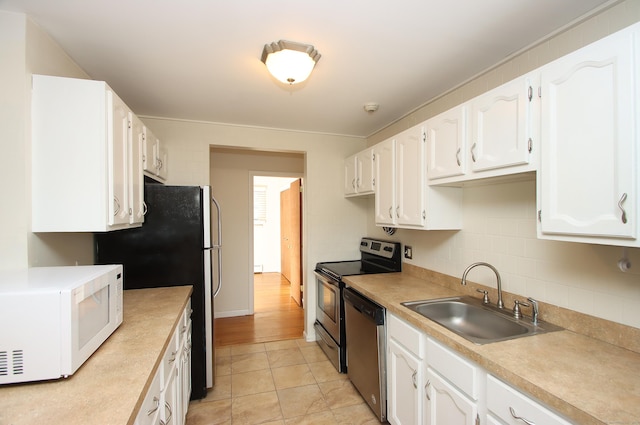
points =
(290, 62)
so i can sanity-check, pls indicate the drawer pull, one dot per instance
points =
(156, 404)
(515, 416)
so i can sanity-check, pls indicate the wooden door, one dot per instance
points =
(295, 240)
(285, 263)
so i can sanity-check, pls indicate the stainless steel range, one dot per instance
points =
(376, 256)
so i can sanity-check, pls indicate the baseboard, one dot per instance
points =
(233, 313)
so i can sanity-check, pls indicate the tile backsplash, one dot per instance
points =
(500, 228)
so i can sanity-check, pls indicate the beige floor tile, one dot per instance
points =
(247, 348)
(221, 389)
(223, 366)
(213, 413)
(257, 381)
(300, 401)
(249, 362)
(325, 371)
(322, 418)
(304, 343)
(280, 345)
(292, 376)
(313, 353)
(360, 414)
(255, 409)
(340, 393)
(286, 357)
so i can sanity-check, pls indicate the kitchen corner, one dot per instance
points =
(111, 385)
(583, 373)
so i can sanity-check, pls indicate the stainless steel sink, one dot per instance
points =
(477, 322)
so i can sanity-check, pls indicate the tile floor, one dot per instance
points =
(282, 382)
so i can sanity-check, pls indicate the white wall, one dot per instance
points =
(333, 225)
(267, 235)
(499, 220)
(26, 49)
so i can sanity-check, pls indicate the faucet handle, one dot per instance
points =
(485, 296)
(516, 308)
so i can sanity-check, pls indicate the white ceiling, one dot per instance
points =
(200, 59)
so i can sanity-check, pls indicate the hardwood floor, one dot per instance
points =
(276, 316)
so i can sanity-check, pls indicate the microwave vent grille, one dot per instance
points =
(11, 361)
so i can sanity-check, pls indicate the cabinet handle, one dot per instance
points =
(145, 209)
(426, 389)
(117, 203)
(358, 183)
(413, 379)
(353, 183)
(530, 93)
(173, 357)
(156, 402)
(391, 212)
(473, 154)
(168, 407)
(398, 211)
(515, 416)
(620, 202)
(458, 157)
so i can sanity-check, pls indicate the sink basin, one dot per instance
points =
(478, 323)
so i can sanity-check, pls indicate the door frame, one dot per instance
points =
(250, 265)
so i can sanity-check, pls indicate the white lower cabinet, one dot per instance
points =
(445, 404)
(507, 405)
(453, 390)
(405, 392)
(431, 384)
(167, 399)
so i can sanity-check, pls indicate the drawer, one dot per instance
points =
(170, 358)
(407, 335)
(150, 409)
(501, 398)
(459, 371)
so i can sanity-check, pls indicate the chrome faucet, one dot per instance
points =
(500, 304)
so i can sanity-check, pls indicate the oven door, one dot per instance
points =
(328, 305)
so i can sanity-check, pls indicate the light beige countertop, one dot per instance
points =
(583, 378)
(110, 386)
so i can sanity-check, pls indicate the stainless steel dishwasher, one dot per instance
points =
(365, 337)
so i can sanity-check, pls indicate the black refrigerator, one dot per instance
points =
(174, 247)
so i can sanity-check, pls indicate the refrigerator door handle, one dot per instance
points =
(217, 245)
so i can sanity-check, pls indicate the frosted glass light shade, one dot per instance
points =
(290, 62)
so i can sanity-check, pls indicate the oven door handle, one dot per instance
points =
(330, 346)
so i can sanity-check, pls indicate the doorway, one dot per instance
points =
(239, 316)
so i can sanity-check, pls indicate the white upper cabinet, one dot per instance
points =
(136, 154)
(82, 180)
(501, 131)
(399, 165)
(155, 157)
(358, 174)
(446, 141)
(402, 197)
(587, 185)
(384, 162)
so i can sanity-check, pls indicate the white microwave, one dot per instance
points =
(53, 318)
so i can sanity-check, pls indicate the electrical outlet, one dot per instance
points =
(408, 252)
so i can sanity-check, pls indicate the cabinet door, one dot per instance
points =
(500, 126)
(136, 179)
(446, 404)
(365, 174)
(587, 181)
(350, 175)
(410, 177)
(384, 164)
(118, 145)
(404, 391)
(446, 134)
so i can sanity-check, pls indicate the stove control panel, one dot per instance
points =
(381, 248)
